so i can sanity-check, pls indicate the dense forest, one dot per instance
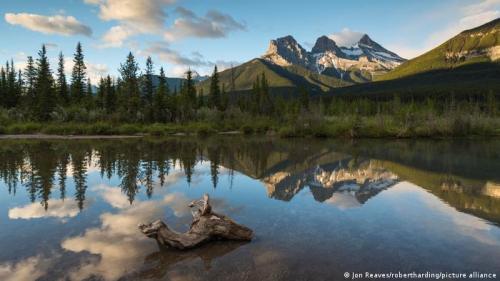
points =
(37, 99)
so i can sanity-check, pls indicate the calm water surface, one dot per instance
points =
(69, 209)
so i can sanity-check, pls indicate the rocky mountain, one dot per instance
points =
(473, 46)
(284, 80)
(357, 63)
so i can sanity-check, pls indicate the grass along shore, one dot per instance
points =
(354, 126)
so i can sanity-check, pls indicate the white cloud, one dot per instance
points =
(346, 37)
(134, 17)
(58, 24)
(116, 36)
(57, 209)
(28, 269)
(213, 25)
(49, 45)
(196, 61)
(344, 200)
(470, 16)
(117, 241)
(482, 6)
(94, 71)
(147, 15)
(164, 53)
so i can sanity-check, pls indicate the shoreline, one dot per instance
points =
(66, 137)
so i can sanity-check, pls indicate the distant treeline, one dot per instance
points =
(34, 94)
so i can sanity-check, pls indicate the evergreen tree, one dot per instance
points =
(201, 98)
(101, 94)
(187, 99)
(304, 99)
(89, 95)
(130, 90)
(30, 78)
(78, 76)
(160, 99)
(61, 85)
(148, 90)
(44, 94)
(110, 96)
(224, 104)
(214, 94)
(266, 105)
(11, 94)
(3, 86)
(255, 99)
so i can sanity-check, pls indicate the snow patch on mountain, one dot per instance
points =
(327, 57)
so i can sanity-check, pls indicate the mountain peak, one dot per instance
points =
(326, 57)
(324, 44)
(366, 40)
(286, 51)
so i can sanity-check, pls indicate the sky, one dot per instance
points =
(198, 34)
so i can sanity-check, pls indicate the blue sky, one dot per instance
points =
(200, 33)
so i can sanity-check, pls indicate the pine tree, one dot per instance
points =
(191, 90)
(266, 105)
(11, 90)
(160, 99)
(148, 89)
(3, 86)
(89, 95)
(224, 104)
(255, 99)
(187, 99)
(110, 96)
(201, 98)
(304, 99)
(44, 95)
(101, 94)
(30, 78)
(61, 85)
(214, 94)
(130, 89)
(78, 76)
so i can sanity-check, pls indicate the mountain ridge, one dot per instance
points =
(326, 57)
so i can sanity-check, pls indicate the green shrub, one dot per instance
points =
(100, 128)
(24, 128)
(205, 130)
(287, 132)
(129, 129)
(246, 129)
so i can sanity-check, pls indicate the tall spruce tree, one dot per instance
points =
(101, 94)
(187, 99)
(78, 76)
(3, 86)
(109, 96)
(61, 84)
(89, 95)
(147, 89)
(11, 90)
(130, 87)
(30, 78)
(214, 94)
(160, 99)
(44, 93)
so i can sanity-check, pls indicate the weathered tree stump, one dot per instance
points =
(206, 226)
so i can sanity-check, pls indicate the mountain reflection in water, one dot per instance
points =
(84, 199)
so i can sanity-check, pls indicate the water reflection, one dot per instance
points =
(43, 168)
(86, 197)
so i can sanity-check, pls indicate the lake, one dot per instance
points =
(69, 209)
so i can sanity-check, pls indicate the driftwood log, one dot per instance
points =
(206, 226)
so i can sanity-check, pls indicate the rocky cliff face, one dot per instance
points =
(326, 57)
